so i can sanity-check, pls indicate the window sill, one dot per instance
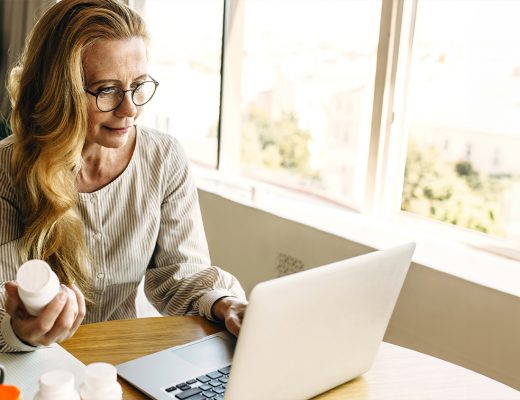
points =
(447, 250)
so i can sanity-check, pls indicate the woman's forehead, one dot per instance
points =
(120, 60)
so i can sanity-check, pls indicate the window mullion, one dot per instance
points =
(230, 110)
(391, 17)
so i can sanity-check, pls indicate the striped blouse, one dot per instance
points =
(145, 223)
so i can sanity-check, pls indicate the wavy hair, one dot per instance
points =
(49, 123)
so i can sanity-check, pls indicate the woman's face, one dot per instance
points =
(113, 63)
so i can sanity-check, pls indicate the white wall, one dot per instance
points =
(436, 313)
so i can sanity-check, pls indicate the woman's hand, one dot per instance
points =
(231, 311)
(58, 321)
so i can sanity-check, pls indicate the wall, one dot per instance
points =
(437, 313)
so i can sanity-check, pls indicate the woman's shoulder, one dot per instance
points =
(6, 152)
(6, 170)
(159, 145)
(156, 138)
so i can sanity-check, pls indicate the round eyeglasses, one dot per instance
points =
(109, 98)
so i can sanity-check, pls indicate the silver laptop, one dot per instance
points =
(302, 334)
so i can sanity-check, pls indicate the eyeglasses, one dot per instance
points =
(109, 98)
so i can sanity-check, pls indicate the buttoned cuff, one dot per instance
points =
(206, 302)
(10, 338)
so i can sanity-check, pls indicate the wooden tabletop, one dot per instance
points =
(397, 373)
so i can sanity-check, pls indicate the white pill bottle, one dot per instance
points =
(57, 385)
(37, 285)
(101, 383)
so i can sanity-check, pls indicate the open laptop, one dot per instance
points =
(302, 334)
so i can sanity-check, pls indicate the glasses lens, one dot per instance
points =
(109, 98)
(143, 93)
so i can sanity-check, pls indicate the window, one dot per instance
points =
(306, 92)
(389, 107)
(464, 89)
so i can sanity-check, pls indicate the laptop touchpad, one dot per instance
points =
(211, 353)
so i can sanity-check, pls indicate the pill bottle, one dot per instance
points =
(8, 392)
(37, 285)
(100, 383)
(57, 385)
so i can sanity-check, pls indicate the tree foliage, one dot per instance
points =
(452, 192)
(275, 144)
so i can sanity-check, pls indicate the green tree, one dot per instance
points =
(452, 192)
(275, 144)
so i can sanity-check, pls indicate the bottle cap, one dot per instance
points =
(56, 383)
(100, 375)
(101, 383)
(33, 276)
(37, 285)
(8, 392)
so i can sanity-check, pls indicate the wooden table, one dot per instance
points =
(397, 373)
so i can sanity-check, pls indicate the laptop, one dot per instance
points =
(302, 334)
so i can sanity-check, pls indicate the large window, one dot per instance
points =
(307, 86)
(337, 98)
(463, 112)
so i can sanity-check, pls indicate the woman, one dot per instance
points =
(102, 200)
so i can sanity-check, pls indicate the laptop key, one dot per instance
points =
(191, 381)
(183, 386)
(214, 375)
(199, 396)
(188, 393)
(223, 379)
(203, 379)
(171, 389)
(204, 386)
(219, 390)
(225, 370)
(215, 383)
(209, 394)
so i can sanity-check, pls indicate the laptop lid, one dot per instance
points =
(311, 331)
(302, 334)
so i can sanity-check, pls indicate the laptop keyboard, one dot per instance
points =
(210, 386)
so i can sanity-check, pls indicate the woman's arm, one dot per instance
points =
(180, 278)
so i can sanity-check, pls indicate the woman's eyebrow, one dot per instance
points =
(116, 80)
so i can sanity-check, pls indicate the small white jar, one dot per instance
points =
(101, 383)
(57, 385)
(37, 285)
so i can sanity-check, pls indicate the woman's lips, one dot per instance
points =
(120, 131)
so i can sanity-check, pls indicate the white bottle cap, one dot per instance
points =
(101, 383)
(57, 385)
(37, 285)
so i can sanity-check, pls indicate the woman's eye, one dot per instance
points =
(108, 90)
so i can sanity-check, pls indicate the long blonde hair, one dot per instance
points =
(49, 123)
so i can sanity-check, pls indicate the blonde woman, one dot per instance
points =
(103, 200)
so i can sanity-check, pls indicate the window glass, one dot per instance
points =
(307, 81)
(463, 108)
(185, 54)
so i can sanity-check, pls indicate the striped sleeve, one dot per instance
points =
(180, 279)
(10, 232)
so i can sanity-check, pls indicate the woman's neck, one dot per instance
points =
(102, 165)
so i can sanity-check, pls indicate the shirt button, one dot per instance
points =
(93, 200)
(100, 275)
(97, 236)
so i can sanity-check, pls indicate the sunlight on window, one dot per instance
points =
(307, 89)
(463, 111)
(185, 52)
